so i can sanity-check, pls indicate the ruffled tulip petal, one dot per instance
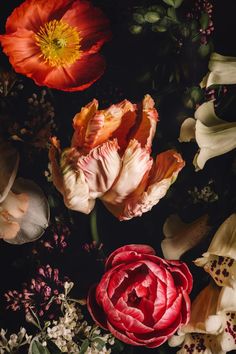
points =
(165, 171)
(100, 168)
(91, 24)
(35, 220)
(136, 162)
(147, 126)
(9, 161)
(187, 130)
(75, 77)
(181, 237)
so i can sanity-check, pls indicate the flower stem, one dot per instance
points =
(93, 226)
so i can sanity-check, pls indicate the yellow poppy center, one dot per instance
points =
(59, 43)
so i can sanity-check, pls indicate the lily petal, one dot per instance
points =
(181, 237)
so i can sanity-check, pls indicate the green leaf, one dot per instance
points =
(158, 8)
(84, 346)
(172, 13)
(38, 348)
(99, 343)
(173, 3)
(204, 20)
(53, 348)
(135, 29)
(152, 17)
(139, 18)
(204, 50)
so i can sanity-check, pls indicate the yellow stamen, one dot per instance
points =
(59, 43)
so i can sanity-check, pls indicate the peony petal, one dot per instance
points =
(76, 77)
(165, 171)
(100, 168)
(9, 161)
(35, 220)
(24, 55)
(136, 162)
(171, 315)
(128, 254)
(122, 336)
(91, 23)
(32, 14)
(181, 237)
(147, 126)
(187, 130)
(95, 310)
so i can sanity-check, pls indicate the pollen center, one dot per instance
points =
(59, 43)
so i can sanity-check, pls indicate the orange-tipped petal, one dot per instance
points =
(100, 168)
(135, 164)
(8, 228)
(167, 166)
(148, 121)
(54, 158)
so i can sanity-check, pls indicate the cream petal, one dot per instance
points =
(222, 71)
(213, 141)
(223, 244)
(135, 163)
(35, 220)
(187, 130)
(100, 168)
(181, 237)
(227, 299)
(206, 114)
(15, 204)
(196, 343)
(9, 161)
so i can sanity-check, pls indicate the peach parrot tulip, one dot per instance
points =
(109, 158)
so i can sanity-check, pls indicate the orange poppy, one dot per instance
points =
(56, 42)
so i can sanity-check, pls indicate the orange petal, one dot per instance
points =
(94, 127)
(15, 204)
(76, 77)
(54, 157)
(164, 173)
(147, 126)
(91, 23)
(24, 55)
(101, 168)
(135, 164)
(32, 14)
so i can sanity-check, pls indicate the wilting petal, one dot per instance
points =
(99, 126)
(15, 204)
(24, 55)
(181, 237)
(100, 168)
(136, 162)
(187, 130)
(147, 126)
(75, 77)
(222, 71)
(9, 161)
(35, 220)
(167, 166)
(220, 258)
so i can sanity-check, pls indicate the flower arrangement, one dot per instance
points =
(117, 177)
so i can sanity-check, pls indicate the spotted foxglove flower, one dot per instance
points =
(109, 158)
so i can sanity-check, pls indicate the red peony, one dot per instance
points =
(141, 299)
(56, 42)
